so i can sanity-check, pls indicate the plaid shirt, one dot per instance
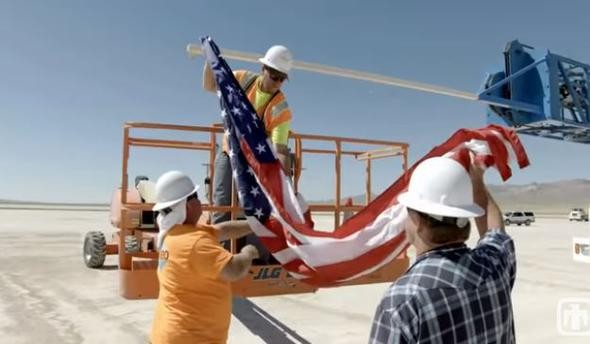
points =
(452, 294)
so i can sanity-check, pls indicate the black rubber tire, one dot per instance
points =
(94, 252)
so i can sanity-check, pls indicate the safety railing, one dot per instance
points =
(304, 145)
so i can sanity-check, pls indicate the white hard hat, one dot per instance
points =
(171, 188)
(278, 57)
(441, 186)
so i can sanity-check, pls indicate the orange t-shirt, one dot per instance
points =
(194, 304)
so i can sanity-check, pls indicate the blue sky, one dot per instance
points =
(72, 72)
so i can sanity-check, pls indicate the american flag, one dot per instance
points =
(364, 243)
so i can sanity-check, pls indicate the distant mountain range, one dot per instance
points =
(550, 198)
(554, 197)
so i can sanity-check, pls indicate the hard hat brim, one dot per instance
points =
(272, 65)
(428, 207)
(164, 205)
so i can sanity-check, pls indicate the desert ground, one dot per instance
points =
(47, 295)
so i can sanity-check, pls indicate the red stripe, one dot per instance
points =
(484, 160)
(500, 153)
(512, 137)
(274, 245)
(298, 266)
(462, 156)
(278, 243)
(328, 275)
(268, 174)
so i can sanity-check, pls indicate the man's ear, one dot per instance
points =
(421, 229)
(416, 218)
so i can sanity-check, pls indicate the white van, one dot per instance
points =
(578, 214)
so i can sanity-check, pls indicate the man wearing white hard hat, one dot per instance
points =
(195, 271)
(451, 293)
(264, 92)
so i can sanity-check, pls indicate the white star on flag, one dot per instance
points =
(231, 153)
(236, 111)
(260, 148)
(255, 191)
(258, 213)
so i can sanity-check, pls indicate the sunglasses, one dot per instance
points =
(275, 75)
(192, 196)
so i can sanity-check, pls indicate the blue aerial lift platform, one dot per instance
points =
(539, 93)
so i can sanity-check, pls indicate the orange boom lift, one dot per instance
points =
(131, 214)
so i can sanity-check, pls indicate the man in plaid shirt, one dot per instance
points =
(451, 294)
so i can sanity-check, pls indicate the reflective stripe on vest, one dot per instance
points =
(274, 113)
(277, 112)
(278, 108)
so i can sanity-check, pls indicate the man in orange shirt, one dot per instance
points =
(195, 271)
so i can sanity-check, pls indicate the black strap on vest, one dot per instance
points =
(247, 89)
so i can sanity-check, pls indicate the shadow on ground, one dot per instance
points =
(264, 325)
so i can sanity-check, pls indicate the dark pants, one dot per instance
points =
(222, 187)
(222, 190)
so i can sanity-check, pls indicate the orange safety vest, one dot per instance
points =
(274, 113)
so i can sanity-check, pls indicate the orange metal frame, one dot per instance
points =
(138, 277)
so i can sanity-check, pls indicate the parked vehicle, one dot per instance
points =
(517, 218)
(530, 215)
(578, 214)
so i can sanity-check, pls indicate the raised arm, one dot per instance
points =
(232, 229)
(209, 83)
(492, 219)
